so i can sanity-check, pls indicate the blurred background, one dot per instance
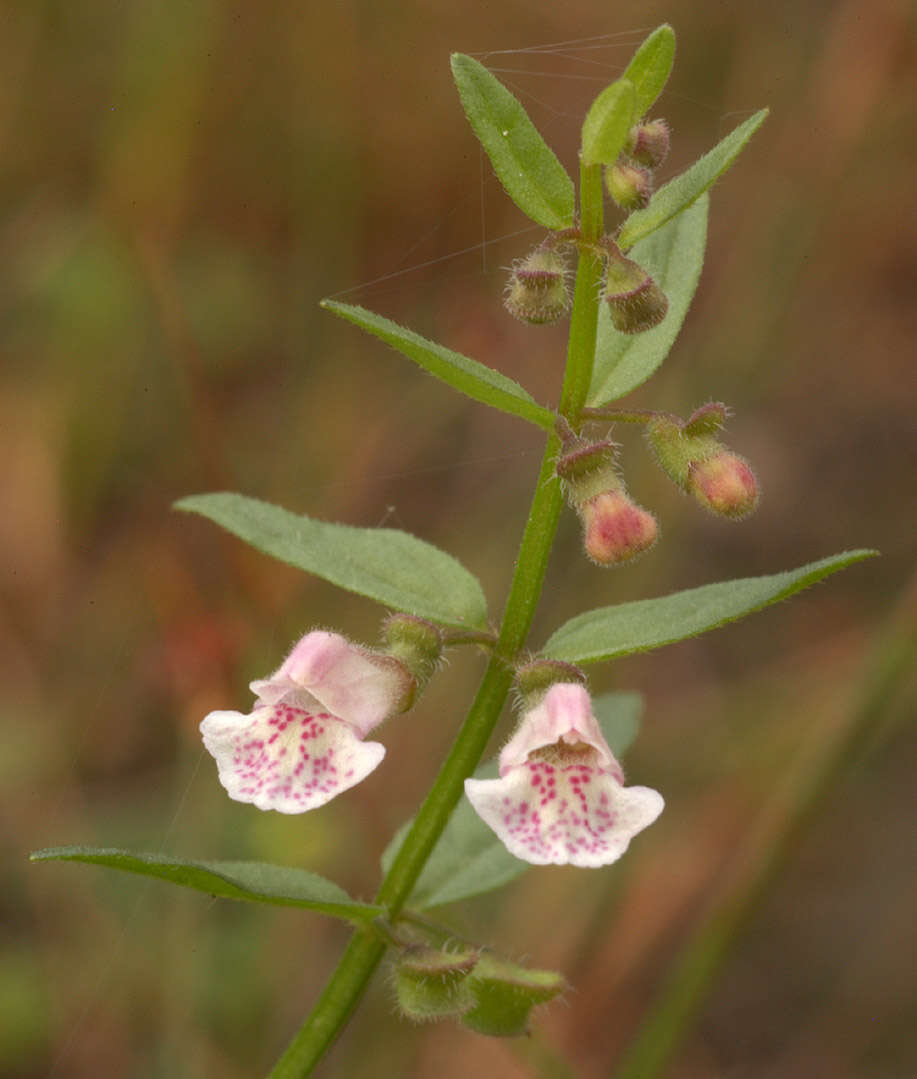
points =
(181, 184)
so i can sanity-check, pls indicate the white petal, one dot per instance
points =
(287, 758)
(564, 714)
(572, 814)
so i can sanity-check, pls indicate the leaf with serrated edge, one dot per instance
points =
(385, 564)
(608, 632)
(678, 194)
(477, 380)
(608, 123)
(526, 166)
(255, 882)
(469, 859)
(674, 256)
(651, 66)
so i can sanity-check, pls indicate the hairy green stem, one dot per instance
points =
(366, 948)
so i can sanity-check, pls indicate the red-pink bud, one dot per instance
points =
(648, 143)
(615, 528)
(629, 185)
(725, 484)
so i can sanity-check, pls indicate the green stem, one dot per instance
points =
(366, 949)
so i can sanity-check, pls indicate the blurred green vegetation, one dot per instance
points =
(182, 183)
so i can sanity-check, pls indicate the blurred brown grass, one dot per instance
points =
(182, 183)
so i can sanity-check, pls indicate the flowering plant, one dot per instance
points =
(559, 795)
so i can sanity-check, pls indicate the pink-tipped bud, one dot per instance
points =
(629, 185)
(648, 143)
(616, 529)
(537, 290)
(724, 484)
(635, 301)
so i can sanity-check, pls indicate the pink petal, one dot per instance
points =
(573, 814)
(287, 757)
(342, 677)
(563, 715)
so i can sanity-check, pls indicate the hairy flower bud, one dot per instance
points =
(431, 984)
(635, 301)
(700, 464)
(648, 143)
(504, 995)
(629, 185)
(535, 678)
(537, 290)
(615, 528)
(724, 484)
(415, 643)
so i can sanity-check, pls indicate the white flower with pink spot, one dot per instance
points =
(303, 742)
(560, 798)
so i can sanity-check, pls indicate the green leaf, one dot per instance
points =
(619, 715)
(678, 194)
(389, 566)
(475, 379)
(638, 627)
(256, 882)
(650, 68)
(608, 123)
(674, 255)
(533, 177)
(469, 859)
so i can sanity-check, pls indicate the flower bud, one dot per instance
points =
(724, 484)
(615, 528)
(719, 479)
(537, 289)
(504, 995)
(534, 679)
(629, 185)
(648, 143)
(431, 984)
(635, 301)
(415, 643)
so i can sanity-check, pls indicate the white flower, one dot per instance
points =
(561, 797)
(303, 742)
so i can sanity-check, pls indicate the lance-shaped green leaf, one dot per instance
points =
(608, 632)
(255, 882)
(678, 194)
(475, 379)
(526, 166)
(608, 123)
(674, 255)
(469, 859)
(389, 566)
(650, 68)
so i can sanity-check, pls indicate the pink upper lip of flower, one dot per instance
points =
(340, 676)
(560, 797)
(564, 715)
